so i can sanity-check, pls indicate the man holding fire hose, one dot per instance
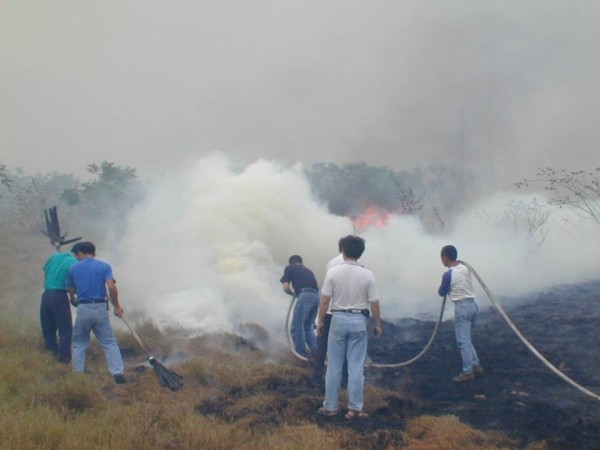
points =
(299, 277)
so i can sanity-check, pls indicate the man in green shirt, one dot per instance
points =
(55, 310)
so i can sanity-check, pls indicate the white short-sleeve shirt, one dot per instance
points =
(350, 286)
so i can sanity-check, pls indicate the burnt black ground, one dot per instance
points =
(518, 395)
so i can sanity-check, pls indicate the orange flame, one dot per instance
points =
(372, 216)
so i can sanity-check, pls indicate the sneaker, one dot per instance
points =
(478, 370)
(468, 376)
(326, 412)
(120, 378)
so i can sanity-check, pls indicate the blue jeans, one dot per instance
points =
(347, 340)
(465, 315)
(303, 322)
(94, 317)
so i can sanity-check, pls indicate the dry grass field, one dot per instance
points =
(235, 396)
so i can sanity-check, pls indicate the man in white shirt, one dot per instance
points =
(351, 290)
(457, 285)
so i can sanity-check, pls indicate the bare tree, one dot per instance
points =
(23, 202)
(24, 197)
(408, 202)
(577, 190)
(440, 221)
(526, 221)
(5, 179)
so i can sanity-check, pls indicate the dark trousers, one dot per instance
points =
(55, 316)
(321, 354)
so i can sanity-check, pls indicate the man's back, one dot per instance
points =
(457, 283)
(56, 270)
(350, 286)
(300, 277)
(88, 277)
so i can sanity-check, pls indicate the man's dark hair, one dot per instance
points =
(353, 246)
(75, 248)
(450, 252)
(295, 259)
(340, 245)
(87, 248)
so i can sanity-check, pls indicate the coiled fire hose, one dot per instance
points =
(435, 330)
(288, 334)
(402, 364)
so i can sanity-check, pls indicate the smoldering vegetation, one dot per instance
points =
(236, 392)
(235, 395)
(198, 261)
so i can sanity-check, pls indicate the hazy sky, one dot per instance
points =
(501, 86)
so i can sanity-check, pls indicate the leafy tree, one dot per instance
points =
(578, 190)
(436, 194)
(103, 203)
(114, 189)
(349, 189)
(110, 180)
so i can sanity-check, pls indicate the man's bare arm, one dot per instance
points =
(72, 296)
(287, 289)
(323, 308)
(376, 310)
(113, 295)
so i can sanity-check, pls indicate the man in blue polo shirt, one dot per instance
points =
(88, 281)
(301, 279)
(55, 311)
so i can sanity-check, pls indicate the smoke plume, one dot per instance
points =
(206, 250)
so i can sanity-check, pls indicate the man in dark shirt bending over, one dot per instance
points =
(298, 280)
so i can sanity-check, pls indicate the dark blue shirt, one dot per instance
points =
(300, 277)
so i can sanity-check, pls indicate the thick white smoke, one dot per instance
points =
(207, 249)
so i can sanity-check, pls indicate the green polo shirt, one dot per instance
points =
(56, 270)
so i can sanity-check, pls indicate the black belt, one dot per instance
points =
(352, 311)
(309, 290)
(91, 300)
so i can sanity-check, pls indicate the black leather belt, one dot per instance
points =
(352, 311)
(309, 290)
(91, 300)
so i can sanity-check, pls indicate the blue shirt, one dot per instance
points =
(88, 277)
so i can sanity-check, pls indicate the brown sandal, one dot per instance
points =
(352, 414)
(326, 412)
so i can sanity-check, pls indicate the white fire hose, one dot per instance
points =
(435, 330)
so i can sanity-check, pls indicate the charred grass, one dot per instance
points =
(235, 396)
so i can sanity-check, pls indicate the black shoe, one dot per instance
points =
(120, 378)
